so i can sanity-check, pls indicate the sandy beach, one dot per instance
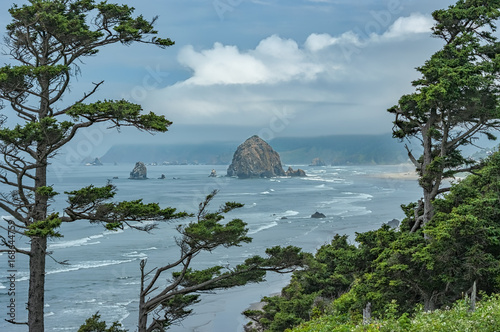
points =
(405, 172)
(399, 176)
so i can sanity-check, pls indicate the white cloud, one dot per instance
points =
(414, 24)
(328, 80)
(274, 60)
(222, 65)
(316, 42)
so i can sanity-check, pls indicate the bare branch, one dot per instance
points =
(85, 96)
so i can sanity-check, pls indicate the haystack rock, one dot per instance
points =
(139, 172)
(255, 158)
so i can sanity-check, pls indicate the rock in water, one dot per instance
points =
(255, 158)
(318, 215)
(139, 172)
(298, 172)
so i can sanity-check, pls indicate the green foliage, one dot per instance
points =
(208, 232)
(327, 275)
(486, 317)
(92, 203)
(396, 270)
(90, 195)
(46, 191)
(176, 307)
(47, 131)
(45, 228)
(456, 98)
(68, 21)
(120, 112)
(48, 39)
(94, 324)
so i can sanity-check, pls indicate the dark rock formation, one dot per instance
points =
(317, 162)
(318, 215)
(298, 172)
(213, 174)
(255, 158)
(139, 172)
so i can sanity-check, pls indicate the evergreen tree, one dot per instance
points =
(46, 41)
(456, 98)
(167, 304)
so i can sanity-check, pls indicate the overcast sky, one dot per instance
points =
(268, 67)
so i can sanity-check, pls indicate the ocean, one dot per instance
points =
(102, 274)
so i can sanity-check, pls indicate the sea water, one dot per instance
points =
(101, 273)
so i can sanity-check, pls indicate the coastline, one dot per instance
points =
(261, 304)
(404, 172)
(398, 176)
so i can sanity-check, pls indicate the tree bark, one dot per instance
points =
(143, 315)
(427, 181)
(36, 293)
(36, 298)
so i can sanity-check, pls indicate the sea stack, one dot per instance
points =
(298, 172)
(255, 159)
(139, 172)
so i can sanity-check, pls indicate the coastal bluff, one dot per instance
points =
(254, 158)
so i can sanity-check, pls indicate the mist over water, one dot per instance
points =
(103, 271)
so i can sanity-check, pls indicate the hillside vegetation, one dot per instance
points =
(486, 318)
(398, 271)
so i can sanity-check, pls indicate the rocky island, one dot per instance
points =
(254, 158)
(139, 172)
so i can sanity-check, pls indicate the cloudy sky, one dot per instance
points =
(268, 67)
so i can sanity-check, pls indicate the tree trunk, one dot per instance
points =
(143, 315)
(428, 180)
(428, 209)
(429, 303)
(36, 300)
(36, 294)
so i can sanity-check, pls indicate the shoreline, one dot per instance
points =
(261, 304)
(404, 171)
(397, 175)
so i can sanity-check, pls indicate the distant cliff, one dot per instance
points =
(335, 149)
(341, 149)
(214, 153)
(255, 158)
